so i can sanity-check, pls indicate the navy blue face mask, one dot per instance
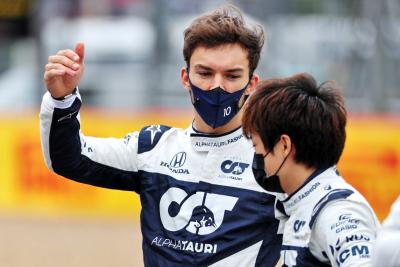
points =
(269, 183)
(217, 107)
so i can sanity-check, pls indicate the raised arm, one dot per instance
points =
(64, 70)
(104, 162)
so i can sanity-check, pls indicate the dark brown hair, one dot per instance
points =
(314, 117)
(224, 26)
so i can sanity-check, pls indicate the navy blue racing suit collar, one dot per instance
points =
(305, 189)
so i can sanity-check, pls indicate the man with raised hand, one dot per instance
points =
(201, 205)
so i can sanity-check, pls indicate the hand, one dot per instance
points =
(64, 71)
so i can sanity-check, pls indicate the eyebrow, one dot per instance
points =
(197, 66)
(235, 70)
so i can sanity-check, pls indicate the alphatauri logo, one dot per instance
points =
(237, 168)
(201, 213)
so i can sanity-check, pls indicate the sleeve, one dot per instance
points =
(387, 245)
(344, 233)
(104, 162)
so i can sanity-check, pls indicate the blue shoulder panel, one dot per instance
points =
(332, 195)
(149, 137)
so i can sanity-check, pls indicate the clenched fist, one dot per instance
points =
(64, 71)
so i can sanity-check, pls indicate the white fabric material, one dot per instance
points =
(343, 232)
(387, 246)
(323, 235)
(113, 152)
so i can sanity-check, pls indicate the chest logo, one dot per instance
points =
(200, 213)
(298, 224)
(178, 160)
(236, 168)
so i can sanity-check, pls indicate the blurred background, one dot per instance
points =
(133, 61)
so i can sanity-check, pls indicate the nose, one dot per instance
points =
(218, 82)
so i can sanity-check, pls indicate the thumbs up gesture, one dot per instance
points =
(64, 71)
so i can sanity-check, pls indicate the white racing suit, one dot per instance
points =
(201, 205)
(327, 223)
(387, 246)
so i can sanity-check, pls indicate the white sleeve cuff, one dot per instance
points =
(61, 104)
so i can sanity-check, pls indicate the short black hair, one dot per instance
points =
(314, 117)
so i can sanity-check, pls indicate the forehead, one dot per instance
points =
(257, 143)
(222, 57)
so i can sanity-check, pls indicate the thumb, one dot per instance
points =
(80, 50)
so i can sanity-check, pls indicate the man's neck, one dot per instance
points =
(298, 175)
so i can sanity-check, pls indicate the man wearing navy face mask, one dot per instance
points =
(201, 203)
(216, 107)
(219, 73)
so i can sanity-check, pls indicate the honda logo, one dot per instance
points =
(178, 160)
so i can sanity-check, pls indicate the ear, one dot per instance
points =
(252, 84)
(287, 144)
(185, 79)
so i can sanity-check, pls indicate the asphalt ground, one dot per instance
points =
(69, 242)
(50, 242)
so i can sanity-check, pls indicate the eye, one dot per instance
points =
(233, 77)
(204, 73)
